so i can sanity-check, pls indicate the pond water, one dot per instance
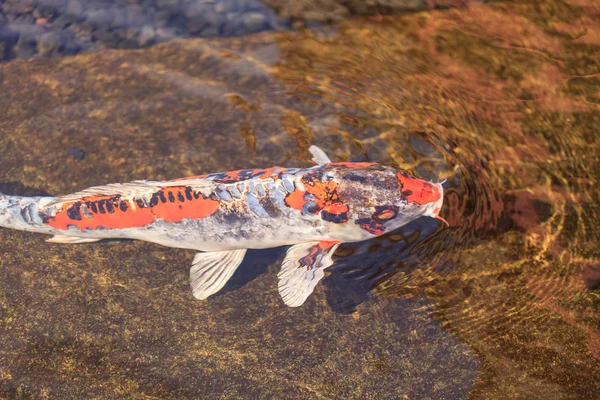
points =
(501, 99)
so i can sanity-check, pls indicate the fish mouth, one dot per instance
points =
(434, 208)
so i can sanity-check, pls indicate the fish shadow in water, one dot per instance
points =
(18, 189)
(357, 270)
(256, 263)
(365, 265)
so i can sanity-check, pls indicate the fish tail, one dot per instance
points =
(23, 213)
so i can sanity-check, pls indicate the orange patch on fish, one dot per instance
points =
(324, 195)
(295, 199)
(417, 190)
(336, 208)
(171, 204)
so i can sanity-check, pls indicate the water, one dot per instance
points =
(500, 99)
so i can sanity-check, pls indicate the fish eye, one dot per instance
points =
(386, 214)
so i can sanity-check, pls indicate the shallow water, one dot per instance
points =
(502, 100)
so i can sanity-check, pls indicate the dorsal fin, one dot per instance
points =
(319, 156)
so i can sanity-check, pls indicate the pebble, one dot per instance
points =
(254, 22)
(76, 153)
(147, 36)
(49, 43)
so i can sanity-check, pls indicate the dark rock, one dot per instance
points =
(226, 6)
(64, 21)
(44, 11)
(171, 5)
(119, 18)
(229, 27)
(194, 24)
(109, 38)
(57, 5)
(17, 6)
(49, 43)
(197, 10)
(254, 22)
(74, 46)
(164, 34)
(147, 36)
(76, 7)
(25, 19)
(99, 18)
(76, 153)
(162, 18)
(9, 34)
(129, 39)
(25, 49)
(135, 16)
(210, 31)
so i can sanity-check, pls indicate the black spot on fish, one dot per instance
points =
(73, 211)
(171, 197)
(140, 203)
(162, 197)
(180, 197)
(101, 206)
(407, 193)
(217, 177)
(153, 200)
(123, 206)
(94, 207)
(335, 218)
(197, 195)
(354, 177)
(109, 207)
(371, 225)
(188, 193)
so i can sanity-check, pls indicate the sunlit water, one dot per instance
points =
(501, 100)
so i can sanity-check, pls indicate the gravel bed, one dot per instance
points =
(31, 28)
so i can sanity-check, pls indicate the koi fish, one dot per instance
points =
(222, 215)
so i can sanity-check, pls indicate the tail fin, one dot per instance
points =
(23, 213)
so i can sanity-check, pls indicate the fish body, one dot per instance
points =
(223, 214)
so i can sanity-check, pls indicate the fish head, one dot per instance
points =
(382, 198)
(426, 194)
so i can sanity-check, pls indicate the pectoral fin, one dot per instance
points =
(210, 271)
(70, 239)
(302, 269)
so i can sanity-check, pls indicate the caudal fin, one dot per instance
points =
(23, 213)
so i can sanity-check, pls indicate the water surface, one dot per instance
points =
(502, 100)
